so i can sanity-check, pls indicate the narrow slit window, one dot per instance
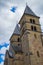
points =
(35, 36)
(18, 44)
(18, 39)
(31, 27)
(38, 54)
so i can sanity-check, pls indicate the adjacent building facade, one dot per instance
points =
(26, 42)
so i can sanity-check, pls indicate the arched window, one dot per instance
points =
(31, 27)
(30, 20)
(33, 21)
(35, 28)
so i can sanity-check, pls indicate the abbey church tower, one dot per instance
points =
(26, 41)
(31, 37)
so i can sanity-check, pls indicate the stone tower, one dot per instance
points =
(32, 45)
(26, 42)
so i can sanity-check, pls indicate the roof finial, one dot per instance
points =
(26, 3)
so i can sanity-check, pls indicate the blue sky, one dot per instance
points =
(3, 48)
(1, 59)
(10, 13)
(13, 9)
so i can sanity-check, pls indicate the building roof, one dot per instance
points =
(29, 11)
(17, 29)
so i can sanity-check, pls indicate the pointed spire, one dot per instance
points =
(26, 3)
(29, 11)
(17, 29)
